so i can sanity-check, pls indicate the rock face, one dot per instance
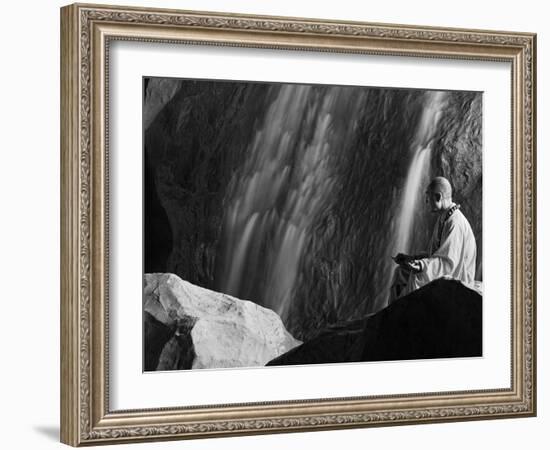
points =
(197, 135)
(441, 320)
(189, 327)
(460, 159)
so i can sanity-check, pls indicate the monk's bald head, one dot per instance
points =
(440, 185)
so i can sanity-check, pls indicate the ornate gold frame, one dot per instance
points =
(86, 31)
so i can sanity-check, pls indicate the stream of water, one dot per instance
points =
(285, 182)
(418, 175)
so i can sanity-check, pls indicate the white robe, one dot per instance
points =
(454, 257)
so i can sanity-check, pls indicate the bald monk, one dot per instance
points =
(452, 249)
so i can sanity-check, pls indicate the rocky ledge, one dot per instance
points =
(441, 320)
(189, 327)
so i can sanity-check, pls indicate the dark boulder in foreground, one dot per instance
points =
(156, 335)
(441, 320)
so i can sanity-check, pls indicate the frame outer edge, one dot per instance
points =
(79, 392)
(533, 137)
(69, 184)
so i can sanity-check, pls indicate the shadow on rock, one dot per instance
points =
(441, 320)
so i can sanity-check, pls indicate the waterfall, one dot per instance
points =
(288, 179)
(272, 201)
(412, 192)
(294, 197)
(418, 173)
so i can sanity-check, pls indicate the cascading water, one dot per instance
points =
(418, 173)
(272, 201)
(286, 195)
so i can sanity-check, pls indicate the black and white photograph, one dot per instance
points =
(291, 224)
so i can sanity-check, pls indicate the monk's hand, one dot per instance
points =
(413, 266)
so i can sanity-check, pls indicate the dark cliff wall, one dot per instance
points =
(191, 149)
(460, 159)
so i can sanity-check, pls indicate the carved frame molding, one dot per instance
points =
(86, 31)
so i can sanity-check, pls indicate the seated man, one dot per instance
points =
(452, 249)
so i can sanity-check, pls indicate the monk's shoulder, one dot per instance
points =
(459, 220)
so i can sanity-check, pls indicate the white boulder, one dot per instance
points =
(223, 331)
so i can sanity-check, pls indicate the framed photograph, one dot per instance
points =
(275, 224)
